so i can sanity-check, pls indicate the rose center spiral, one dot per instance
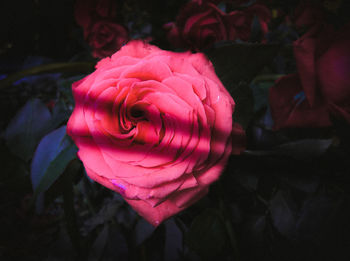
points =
(136, 112)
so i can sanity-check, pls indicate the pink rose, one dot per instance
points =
(98, 18)
(321, 86)
(155, 126)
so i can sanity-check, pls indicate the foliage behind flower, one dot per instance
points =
(290, 184)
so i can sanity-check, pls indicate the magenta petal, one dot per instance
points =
(154, 215)
(304, 51)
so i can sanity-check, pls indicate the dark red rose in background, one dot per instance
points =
(321, 87)
(88, 11)
(98, 18)
(206, 1)
(290, 108)
(200, 24)
(235, 2)
(307, 14)
(106, 37)
(241, 20)
(333, 73)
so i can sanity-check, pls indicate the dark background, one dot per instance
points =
(285, 198)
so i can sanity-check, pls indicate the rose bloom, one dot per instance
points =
(201, 24)
(155, 126)
(106, 38)
(88, 11)
(307, 14)
(321, 87)
(241, 20)
(333, 74)
(102, 32)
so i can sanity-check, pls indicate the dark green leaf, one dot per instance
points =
(237, 65)
(256, 33)
(69, 209)
(65, 87)
(108, 211)
(246, 179)
(81, 67)
(304, 149)
(258, 228)
(173, 241)
(126, 216)
(241, 62)
(207, 235)
(143, 230)
(323, 227)
(299, 150)
(317, 216)
(13, 171)
(117, 247)
(254, 227)
(261, 94)
(55, 191)
(61, 248)
(283, 214)
(60, 113)
(244, 109)
(49, 147)
(26, 129)
(51, 158)
(99, 244)
(57, 167)
(307, 184)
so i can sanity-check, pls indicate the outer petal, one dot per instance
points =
(290, 109)
(154, 215)
(136, 48)
(304, 51)
(333, 71)
(307, 50)
(170, 207)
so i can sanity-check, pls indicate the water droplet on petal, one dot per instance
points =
(217, 99)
